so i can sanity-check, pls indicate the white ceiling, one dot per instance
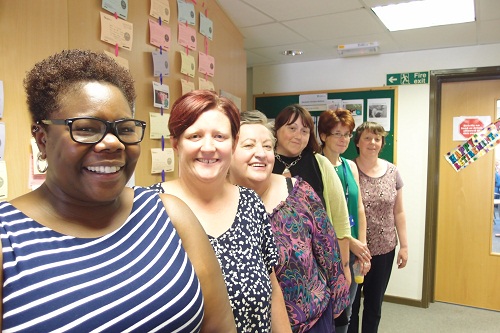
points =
(316, 27)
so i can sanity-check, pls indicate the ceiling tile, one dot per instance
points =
(242, 14)
(284, 10)
(488, 32)
(352, 23)
(318, 26)
(276, 34)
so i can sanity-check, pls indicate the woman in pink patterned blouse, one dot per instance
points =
(382, 194)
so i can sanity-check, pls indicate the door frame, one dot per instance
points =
(436, 79)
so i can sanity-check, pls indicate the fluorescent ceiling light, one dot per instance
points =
(425, 13)
(359, 49)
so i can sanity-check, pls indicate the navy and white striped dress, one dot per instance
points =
(136, 279)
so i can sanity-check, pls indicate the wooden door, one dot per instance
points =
(466, 270)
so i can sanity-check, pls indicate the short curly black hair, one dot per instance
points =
(54, 76)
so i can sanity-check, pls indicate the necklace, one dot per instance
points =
(288, 166)
(337, 166)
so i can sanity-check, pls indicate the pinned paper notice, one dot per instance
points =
(160, 9)
(159, 125)
(464, 127)
(206, 26)
(162, 160)
(205, 84)
(116, 31)
(187, 86)
(120, 7)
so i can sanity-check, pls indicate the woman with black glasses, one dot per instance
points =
(84, 253)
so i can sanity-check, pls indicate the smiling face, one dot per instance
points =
(369, 144)
(253, 159)
(292, 138)
(88, 172)
(205, 148)
(337, 145)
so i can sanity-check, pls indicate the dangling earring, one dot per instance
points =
(39, 160)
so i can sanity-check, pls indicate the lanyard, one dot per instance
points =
(346, 182)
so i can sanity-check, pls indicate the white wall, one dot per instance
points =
(412, 123)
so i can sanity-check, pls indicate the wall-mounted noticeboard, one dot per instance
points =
(368, 104)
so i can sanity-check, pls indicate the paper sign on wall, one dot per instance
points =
(465, 126)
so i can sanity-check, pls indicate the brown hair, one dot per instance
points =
(289, 115)
(371, 127)
(190, 106)
(331, 118)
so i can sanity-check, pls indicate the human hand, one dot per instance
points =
(402, 257)
(360, 250)
(364, 266)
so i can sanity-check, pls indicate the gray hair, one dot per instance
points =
(256, 117)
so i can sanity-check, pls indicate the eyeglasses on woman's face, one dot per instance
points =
(339, 135)
(91, 130)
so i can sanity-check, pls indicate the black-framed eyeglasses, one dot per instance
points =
(91, 130)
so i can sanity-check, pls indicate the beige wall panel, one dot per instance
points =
(29, 31)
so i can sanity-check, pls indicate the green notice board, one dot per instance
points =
(272, 104)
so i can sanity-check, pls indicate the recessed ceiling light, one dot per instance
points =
(292, 52)
(425, 13)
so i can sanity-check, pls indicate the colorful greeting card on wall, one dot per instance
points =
(160, 9)
(205, 84)
(206, 64)
(187, 64)
(186, 12)
(159, 35)
(116, 31)
(158, 125)
(160, 63)
(206, 26)
(162, 160)
(118, 7)
(187, 86)
(476, 146)
(161, 95)
(187, 36)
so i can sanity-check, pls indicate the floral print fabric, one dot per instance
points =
(309, 270)
(379, 197)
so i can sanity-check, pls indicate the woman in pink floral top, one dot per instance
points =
(309, 270)
(381, 190)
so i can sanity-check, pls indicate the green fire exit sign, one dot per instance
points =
(407, 78)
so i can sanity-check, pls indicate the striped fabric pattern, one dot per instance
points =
(136, 279)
